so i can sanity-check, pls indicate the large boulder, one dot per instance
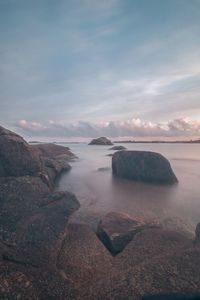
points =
(101, 141)
(143, 166)
(17, 157)
(116, 230)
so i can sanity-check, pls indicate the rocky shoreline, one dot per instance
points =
(43, 256)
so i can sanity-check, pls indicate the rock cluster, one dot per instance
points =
(44, 256)
(33, 218)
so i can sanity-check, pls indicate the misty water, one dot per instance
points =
(99, 192)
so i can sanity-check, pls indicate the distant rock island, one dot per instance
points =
(101, 141)
(159, 142)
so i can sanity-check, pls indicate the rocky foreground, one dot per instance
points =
(43, 256)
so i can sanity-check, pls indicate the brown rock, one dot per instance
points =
(116, 230)
(85, 260)
(17, 158)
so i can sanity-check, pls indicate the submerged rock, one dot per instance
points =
(101, 141)
(118, 148)
(143, 166)
(103, 169)
(116, 230)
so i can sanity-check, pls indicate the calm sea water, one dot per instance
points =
(99, 192)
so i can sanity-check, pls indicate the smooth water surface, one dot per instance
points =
(99, 192)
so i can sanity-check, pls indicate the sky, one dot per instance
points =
(73, 69)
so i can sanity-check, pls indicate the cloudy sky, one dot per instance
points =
(82, 68)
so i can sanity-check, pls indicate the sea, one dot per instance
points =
(99, 192)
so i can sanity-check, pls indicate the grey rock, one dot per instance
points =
(101, 141)
(118, 148)
(143, 166)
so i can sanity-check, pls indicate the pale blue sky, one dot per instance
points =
(84, 63)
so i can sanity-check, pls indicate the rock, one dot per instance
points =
(197, 235)
(157, 261)
(103, 169)
(53, 151)
(101, 141)
(143, 166)
(41, 235)
(179, 225)
(118, 148)
(55, 160)
(116, 230)
(85, 260)
(17, 158)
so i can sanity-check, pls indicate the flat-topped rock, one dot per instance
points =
(117, 148)
(53, 151)
(116, 230)
(143, 166)
(101, 141)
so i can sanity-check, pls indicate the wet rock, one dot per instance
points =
(116, 230)
(17, 157)
(103, 169)
(118, 148)
(143, 166)
(101, 141)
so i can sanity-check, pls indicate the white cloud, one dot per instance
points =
(183, 127)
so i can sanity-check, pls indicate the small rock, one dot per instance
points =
(118, 148)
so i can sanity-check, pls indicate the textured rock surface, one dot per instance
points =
(33, 219)
(143, 166)
(17, 157)
(118, 148)
(116, 230)
(55, 160)
(101, 141)
(42, 256)
(85, 260)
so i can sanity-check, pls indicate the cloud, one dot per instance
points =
(182, 127)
